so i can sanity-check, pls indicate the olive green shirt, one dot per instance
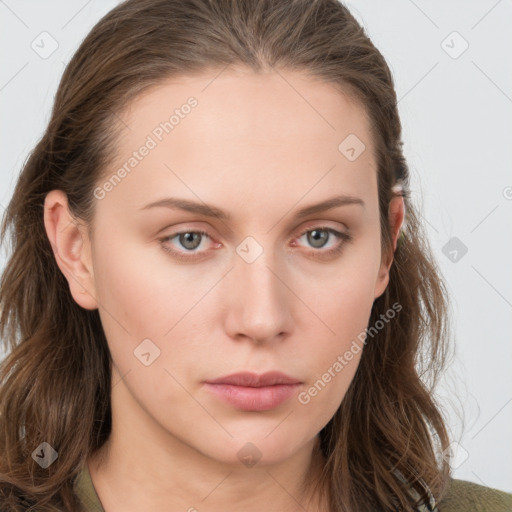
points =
(462, 496)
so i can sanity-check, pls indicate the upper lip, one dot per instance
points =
(249, 379)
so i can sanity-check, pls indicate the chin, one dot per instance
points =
(264, 448)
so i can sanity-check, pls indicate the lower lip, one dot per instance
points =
(253, 399)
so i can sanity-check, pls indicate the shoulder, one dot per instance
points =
(468, 496)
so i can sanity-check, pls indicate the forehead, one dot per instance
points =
(236, 102)
(246, 133)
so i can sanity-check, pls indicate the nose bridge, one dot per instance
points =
(255, 267)
(260, 307)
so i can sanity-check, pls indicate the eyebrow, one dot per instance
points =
(213, 211)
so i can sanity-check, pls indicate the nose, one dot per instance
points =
(259, 299)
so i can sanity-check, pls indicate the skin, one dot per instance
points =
(260, 149)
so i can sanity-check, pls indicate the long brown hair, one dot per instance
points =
(388, 435)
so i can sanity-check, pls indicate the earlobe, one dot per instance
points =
(382, 281)
(70, 245)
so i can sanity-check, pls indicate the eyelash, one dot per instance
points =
(344, 237)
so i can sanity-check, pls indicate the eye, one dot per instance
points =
(191, 240)
(317, 237)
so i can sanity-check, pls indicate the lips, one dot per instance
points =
(247, 391)
(254, 380)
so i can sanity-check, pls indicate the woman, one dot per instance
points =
(219, 289)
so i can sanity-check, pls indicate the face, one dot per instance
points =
(238, 279)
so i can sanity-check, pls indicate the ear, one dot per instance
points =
(71, 247)
(396, 213)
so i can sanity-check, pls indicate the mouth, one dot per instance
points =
(247, 391)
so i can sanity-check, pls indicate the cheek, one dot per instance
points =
(343, 298)
(334, 346)
(144, 298)
(346, 314)
(333, 361)
(142, 291)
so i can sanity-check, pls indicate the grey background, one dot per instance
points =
(456, 115)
